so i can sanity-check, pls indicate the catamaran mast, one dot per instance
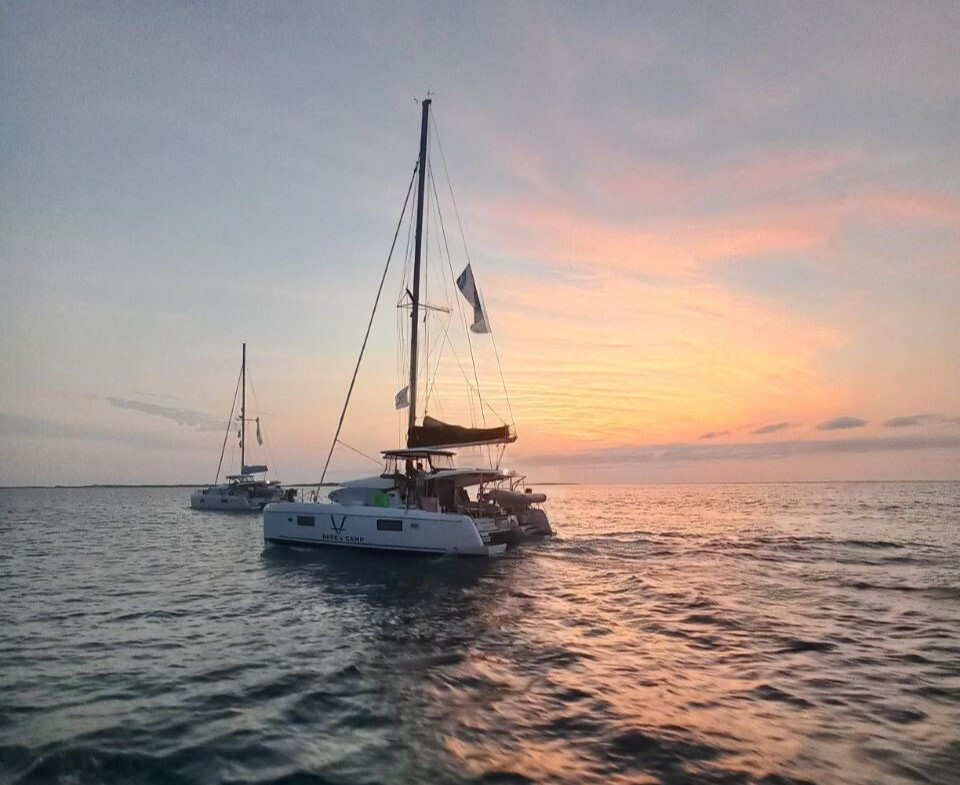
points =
(243, 405)
(415, 294)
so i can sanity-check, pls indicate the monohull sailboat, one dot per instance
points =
(421, 502)
(249, 490)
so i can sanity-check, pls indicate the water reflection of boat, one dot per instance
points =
(249, 490)
(420, 501)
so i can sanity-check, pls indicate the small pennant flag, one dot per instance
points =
(402, 399)
(469, 289)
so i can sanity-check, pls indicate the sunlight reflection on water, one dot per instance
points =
(728, 633)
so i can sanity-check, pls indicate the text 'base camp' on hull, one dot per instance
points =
(413, 531)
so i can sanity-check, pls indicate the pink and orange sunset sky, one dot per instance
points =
(717, 241)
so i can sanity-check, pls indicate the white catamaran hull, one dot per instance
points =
(226, 500)
(376, 528)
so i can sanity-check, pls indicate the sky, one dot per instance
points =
(717, 241)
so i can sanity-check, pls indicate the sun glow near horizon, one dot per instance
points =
(699, 260)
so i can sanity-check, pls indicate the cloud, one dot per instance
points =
(684, 453)
(196, 420)
(30, 427)
(841, 423)
(157, 395)
(772, 428)
(671, 247)
(715, 434)
(911, 420)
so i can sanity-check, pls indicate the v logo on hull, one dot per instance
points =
(338, 526)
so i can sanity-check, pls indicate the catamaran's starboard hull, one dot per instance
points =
(375, 528)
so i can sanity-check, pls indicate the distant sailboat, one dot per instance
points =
(248, 491)
(419, 502)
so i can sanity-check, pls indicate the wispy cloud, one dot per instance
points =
(715, 434)
(841, 423)
(161, 396)
(32, 427)
(772, 428)
(913, 420)
(199, 421)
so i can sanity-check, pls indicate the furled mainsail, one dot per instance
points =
(435, 433)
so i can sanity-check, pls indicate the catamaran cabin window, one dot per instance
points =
(389, 525)
(305, 520)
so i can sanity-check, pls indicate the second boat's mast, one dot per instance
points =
(243, 406)
(415, 310)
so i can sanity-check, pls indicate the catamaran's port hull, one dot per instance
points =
(375, 528)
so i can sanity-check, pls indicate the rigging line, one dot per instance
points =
(376, 302)
(229, 426)
(426, 292)
(473, 361)
(399, 380)
(437, 349)
(401, 353)
(406, 259)
(456, 357)
(470, 385)
(466, 329)
(446, 171)
(358, 452)
(432, 388)
(449, 297)
(503, 381)
(438, 343)
(273, 461)
(402, 323)
(463, 237)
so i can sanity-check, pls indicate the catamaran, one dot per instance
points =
(249, 490)
(420, 502)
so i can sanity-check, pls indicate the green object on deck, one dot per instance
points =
(380, 499)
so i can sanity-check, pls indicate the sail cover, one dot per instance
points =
(435, 433)
(253, 469)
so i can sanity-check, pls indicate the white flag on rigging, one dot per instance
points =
(259, 437)
(402, 399)
(469, 288)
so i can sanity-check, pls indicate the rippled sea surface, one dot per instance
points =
(700, 633)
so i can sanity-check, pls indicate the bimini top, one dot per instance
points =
(467, 477)
(417, 452)
(246, 479)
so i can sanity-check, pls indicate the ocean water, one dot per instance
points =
(670, 634)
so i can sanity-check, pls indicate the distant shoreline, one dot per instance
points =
(197, 485)
(529, 484)
(149, 485)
